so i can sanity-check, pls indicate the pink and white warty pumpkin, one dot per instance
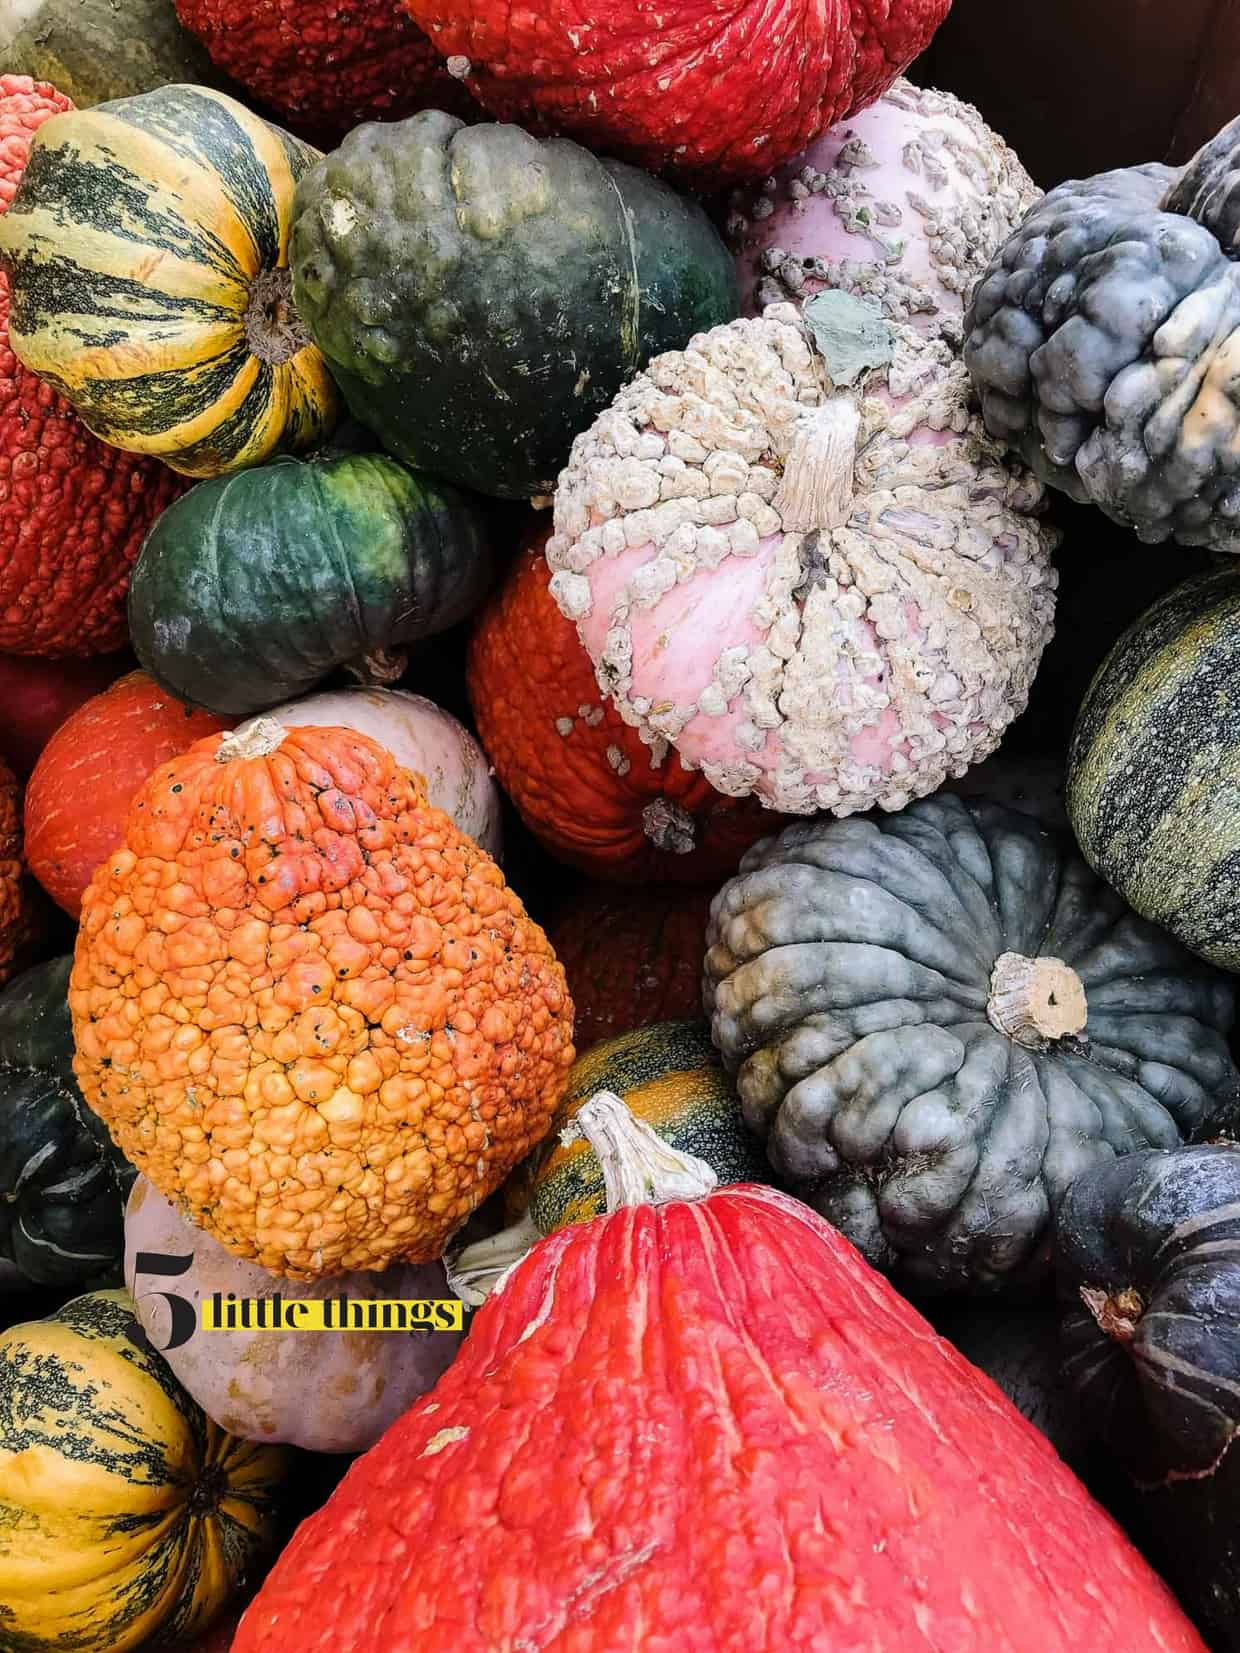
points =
(792, 551)
(905, 203)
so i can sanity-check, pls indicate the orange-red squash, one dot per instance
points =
(309, 1008)
(708, 1427)
(592, 792)
(83, 783)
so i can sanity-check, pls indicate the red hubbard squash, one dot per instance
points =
(708, 1426)
(83, 783)
(73, 512)
(592, 792)
(632, 957)
(36, 696)
(325, 66)
(716, 92)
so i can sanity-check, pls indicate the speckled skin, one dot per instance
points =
(73, 512)
(709, 1428)
(848, 973)
(585, 783)
(480, 295)
(904, 203)
(308, 1008)
(919, 587)
(715, 90)
(324, 1391)
(325, 66)
(1105, 345)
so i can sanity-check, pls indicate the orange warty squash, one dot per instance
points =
(16, 908)
(308, 1008)
(592, 792)
(89, 770)
(632, 957)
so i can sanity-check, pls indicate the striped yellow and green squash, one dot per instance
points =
(147, 254)
(125, 1515)
(668, 1074)
(1154, 766)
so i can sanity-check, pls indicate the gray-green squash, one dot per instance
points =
(938, 1019)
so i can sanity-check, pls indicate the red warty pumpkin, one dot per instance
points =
(73, 512)
(708, 1427)
(718, 92)
(592, 792)
(632, 957)
(83, 784)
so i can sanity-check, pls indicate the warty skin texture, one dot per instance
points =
(709, 1428)
(73, 512)
(309, 1009)
(1104, 343)
(714, 90)
(919, 586)
(848, 974)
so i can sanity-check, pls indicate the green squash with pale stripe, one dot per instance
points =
(127, 1518)
(63, 1184)
(147, 256)
(1154, 767)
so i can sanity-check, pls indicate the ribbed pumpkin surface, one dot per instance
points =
(710, 1428)
(166, 319)
(583, 781)
(123, 1511)
(83, 784)
(309, 1008)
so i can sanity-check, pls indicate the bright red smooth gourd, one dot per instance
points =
(710, 1427)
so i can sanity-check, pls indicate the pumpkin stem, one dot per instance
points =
(258, 738)
(273, 329)
(379, 666)
(639, 1168)
(1118, 1313)
(475, 1271)
(817, 487)
(1208, 189)
(1035, 1001)
(669, 826)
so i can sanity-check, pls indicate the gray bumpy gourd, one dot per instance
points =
(938, 1019)
(1104, 342)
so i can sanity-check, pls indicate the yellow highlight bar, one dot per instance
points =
(223, 1312)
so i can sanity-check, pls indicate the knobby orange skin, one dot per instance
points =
(309, 1008)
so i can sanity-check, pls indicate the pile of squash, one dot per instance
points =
(618, 713)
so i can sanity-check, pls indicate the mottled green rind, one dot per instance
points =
(63, 1183)
(480, 296)
(1154, 767)
(251, 588)
(704, 1119)
(96, 50)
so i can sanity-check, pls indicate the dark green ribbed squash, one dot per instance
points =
(1147, 1252)
(938, 1019)
(62, 1183)
(670, 1077)
(481, 296)
(251, 588)
(1154, 766)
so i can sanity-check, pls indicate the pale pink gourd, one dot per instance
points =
(905, 203)
(832, 598)
(324, 1391)
(422, 737)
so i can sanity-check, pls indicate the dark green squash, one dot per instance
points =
(669, 1076)
(1154, 766)
(481, 297)
(251, 588)
(1147, 1252)
(62, 1183)
(938, 1018)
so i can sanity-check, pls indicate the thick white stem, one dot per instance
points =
(258, 738)
(817, 487)
(639, 1168)
(1036, 1001)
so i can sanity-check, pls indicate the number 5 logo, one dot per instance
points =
(182, 1315)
